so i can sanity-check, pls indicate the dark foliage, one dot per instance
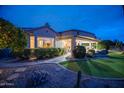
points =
(79, 52)
(11, 36)
(37, 78)
(105, 44)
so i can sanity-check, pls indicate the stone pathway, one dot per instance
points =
(21, 64)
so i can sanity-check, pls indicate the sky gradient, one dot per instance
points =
(107, 22)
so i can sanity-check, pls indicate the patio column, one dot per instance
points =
(73, 42)
(28, 42)
(96, 46)
(54, 41)
(35, 41)
(90, 44)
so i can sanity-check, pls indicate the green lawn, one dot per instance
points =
(111, 67)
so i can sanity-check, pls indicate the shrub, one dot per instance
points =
(27, 53)
(37, 78)
(90, 53)
(79, 52)
(39, 53)
(63, 51)
(18, 54)
(54, 52)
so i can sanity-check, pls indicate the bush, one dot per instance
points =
(18, 54)
(37, 78)
(105, 44)
(90, 53)
(79, 52)
(40, 53)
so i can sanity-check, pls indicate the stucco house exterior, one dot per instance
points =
(46, 37)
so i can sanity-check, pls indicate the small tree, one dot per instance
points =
(11, 37)
(118, 44)
(105, 44)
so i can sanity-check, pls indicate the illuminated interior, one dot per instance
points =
(45, 42)
(32, 45)
(64, 43)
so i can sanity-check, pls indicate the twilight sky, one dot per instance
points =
(107, 22)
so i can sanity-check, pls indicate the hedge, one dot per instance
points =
(40, 53)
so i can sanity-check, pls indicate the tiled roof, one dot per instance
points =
(63, 33)
(34, 29)
(78, 32)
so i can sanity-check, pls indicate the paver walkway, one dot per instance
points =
(4, 64)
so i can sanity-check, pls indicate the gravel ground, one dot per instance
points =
(53, 75)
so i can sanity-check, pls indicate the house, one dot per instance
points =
(46, 37)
